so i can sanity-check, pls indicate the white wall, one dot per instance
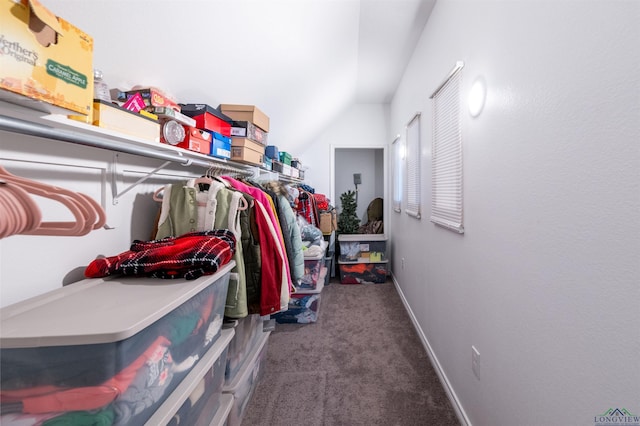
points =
(544, 282)
(32, 265)
(361, 125)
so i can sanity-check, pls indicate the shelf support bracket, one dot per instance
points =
(117, 194)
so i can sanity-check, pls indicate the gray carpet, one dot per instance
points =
(362, 363)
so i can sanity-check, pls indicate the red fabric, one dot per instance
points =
(322, 203)
(190, 256)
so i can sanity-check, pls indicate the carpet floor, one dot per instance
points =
(361, 363)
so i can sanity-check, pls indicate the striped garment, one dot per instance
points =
(188, 256)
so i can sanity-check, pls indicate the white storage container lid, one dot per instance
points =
(101, 310)
(355, 262)
(362, 237)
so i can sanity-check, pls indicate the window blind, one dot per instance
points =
(398, 171)
(413, 167)
(446, 154)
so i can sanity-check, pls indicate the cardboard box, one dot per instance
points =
(152, 98)
(220, 146)
(246, 129)
(271, 151)
(246, 113)
(276, 166)
(57, 78)
(285, 158)
(208, 118)
(328, 222)
(245, 154)
(167, 113)
(267, 163)
(112, 117)
(197, 140)
(248, 143)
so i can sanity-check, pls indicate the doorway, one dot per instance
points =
(362, 170)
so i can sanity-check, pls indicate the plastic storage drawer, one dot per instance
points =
(247, 332)
(362, 247)
(312, 269)
(97, 345)
(196, 400)
(246, 381)
(303, 309)
(363, 273)
(222, 415)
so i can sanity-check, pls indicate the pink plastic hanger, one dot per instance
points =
(18, 212)
(77, 205)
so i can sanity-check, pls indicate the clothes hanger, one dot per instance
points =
(156, 195)
(8, 224)
(94, 214)
(100, 214)
(28, 210)
(72, 201)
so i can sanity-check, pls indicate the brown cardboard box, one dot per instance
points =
(245, 154)
(49, 69)
(328, 222)
(248, 143)
(249, 113)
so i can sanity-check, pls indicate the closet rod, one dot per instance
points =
(17, 125)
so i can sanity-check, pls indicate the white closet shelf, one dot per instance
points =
(18, 119)
(21, 120)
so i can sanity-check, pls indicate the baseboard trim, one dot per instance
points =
(451, 394)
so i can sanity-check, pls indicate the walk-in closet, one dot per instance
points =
(319, 212)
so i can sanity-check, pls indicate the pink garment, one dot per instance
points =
(260, 196)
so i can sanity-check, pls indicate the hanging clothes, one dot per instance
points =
(307, 207)
(275, 277)
(290, 230)
(185, 207)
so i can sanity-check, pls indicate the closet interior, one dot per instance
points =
(148, 246)
(161, 273)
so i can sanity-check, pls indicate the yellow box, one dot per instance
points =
(113, 117)
(45, 62)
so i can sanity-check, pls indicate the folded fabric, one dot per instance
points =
(188, 256)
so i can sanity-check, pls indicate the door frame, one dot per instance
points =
(385, 177)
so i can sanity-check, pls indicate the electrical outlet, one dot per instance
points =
(475, 361)
(403, 263)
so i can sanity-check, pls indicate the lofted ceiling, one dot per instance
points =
(300, 61)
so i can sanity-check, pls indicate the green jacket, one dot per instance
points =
(179, 215)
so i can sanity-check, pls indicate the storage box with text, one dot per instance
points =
(46, 63)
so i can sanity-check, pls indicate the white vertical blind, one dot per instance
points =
(413, 167)
(398, 172)
(446, 154)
